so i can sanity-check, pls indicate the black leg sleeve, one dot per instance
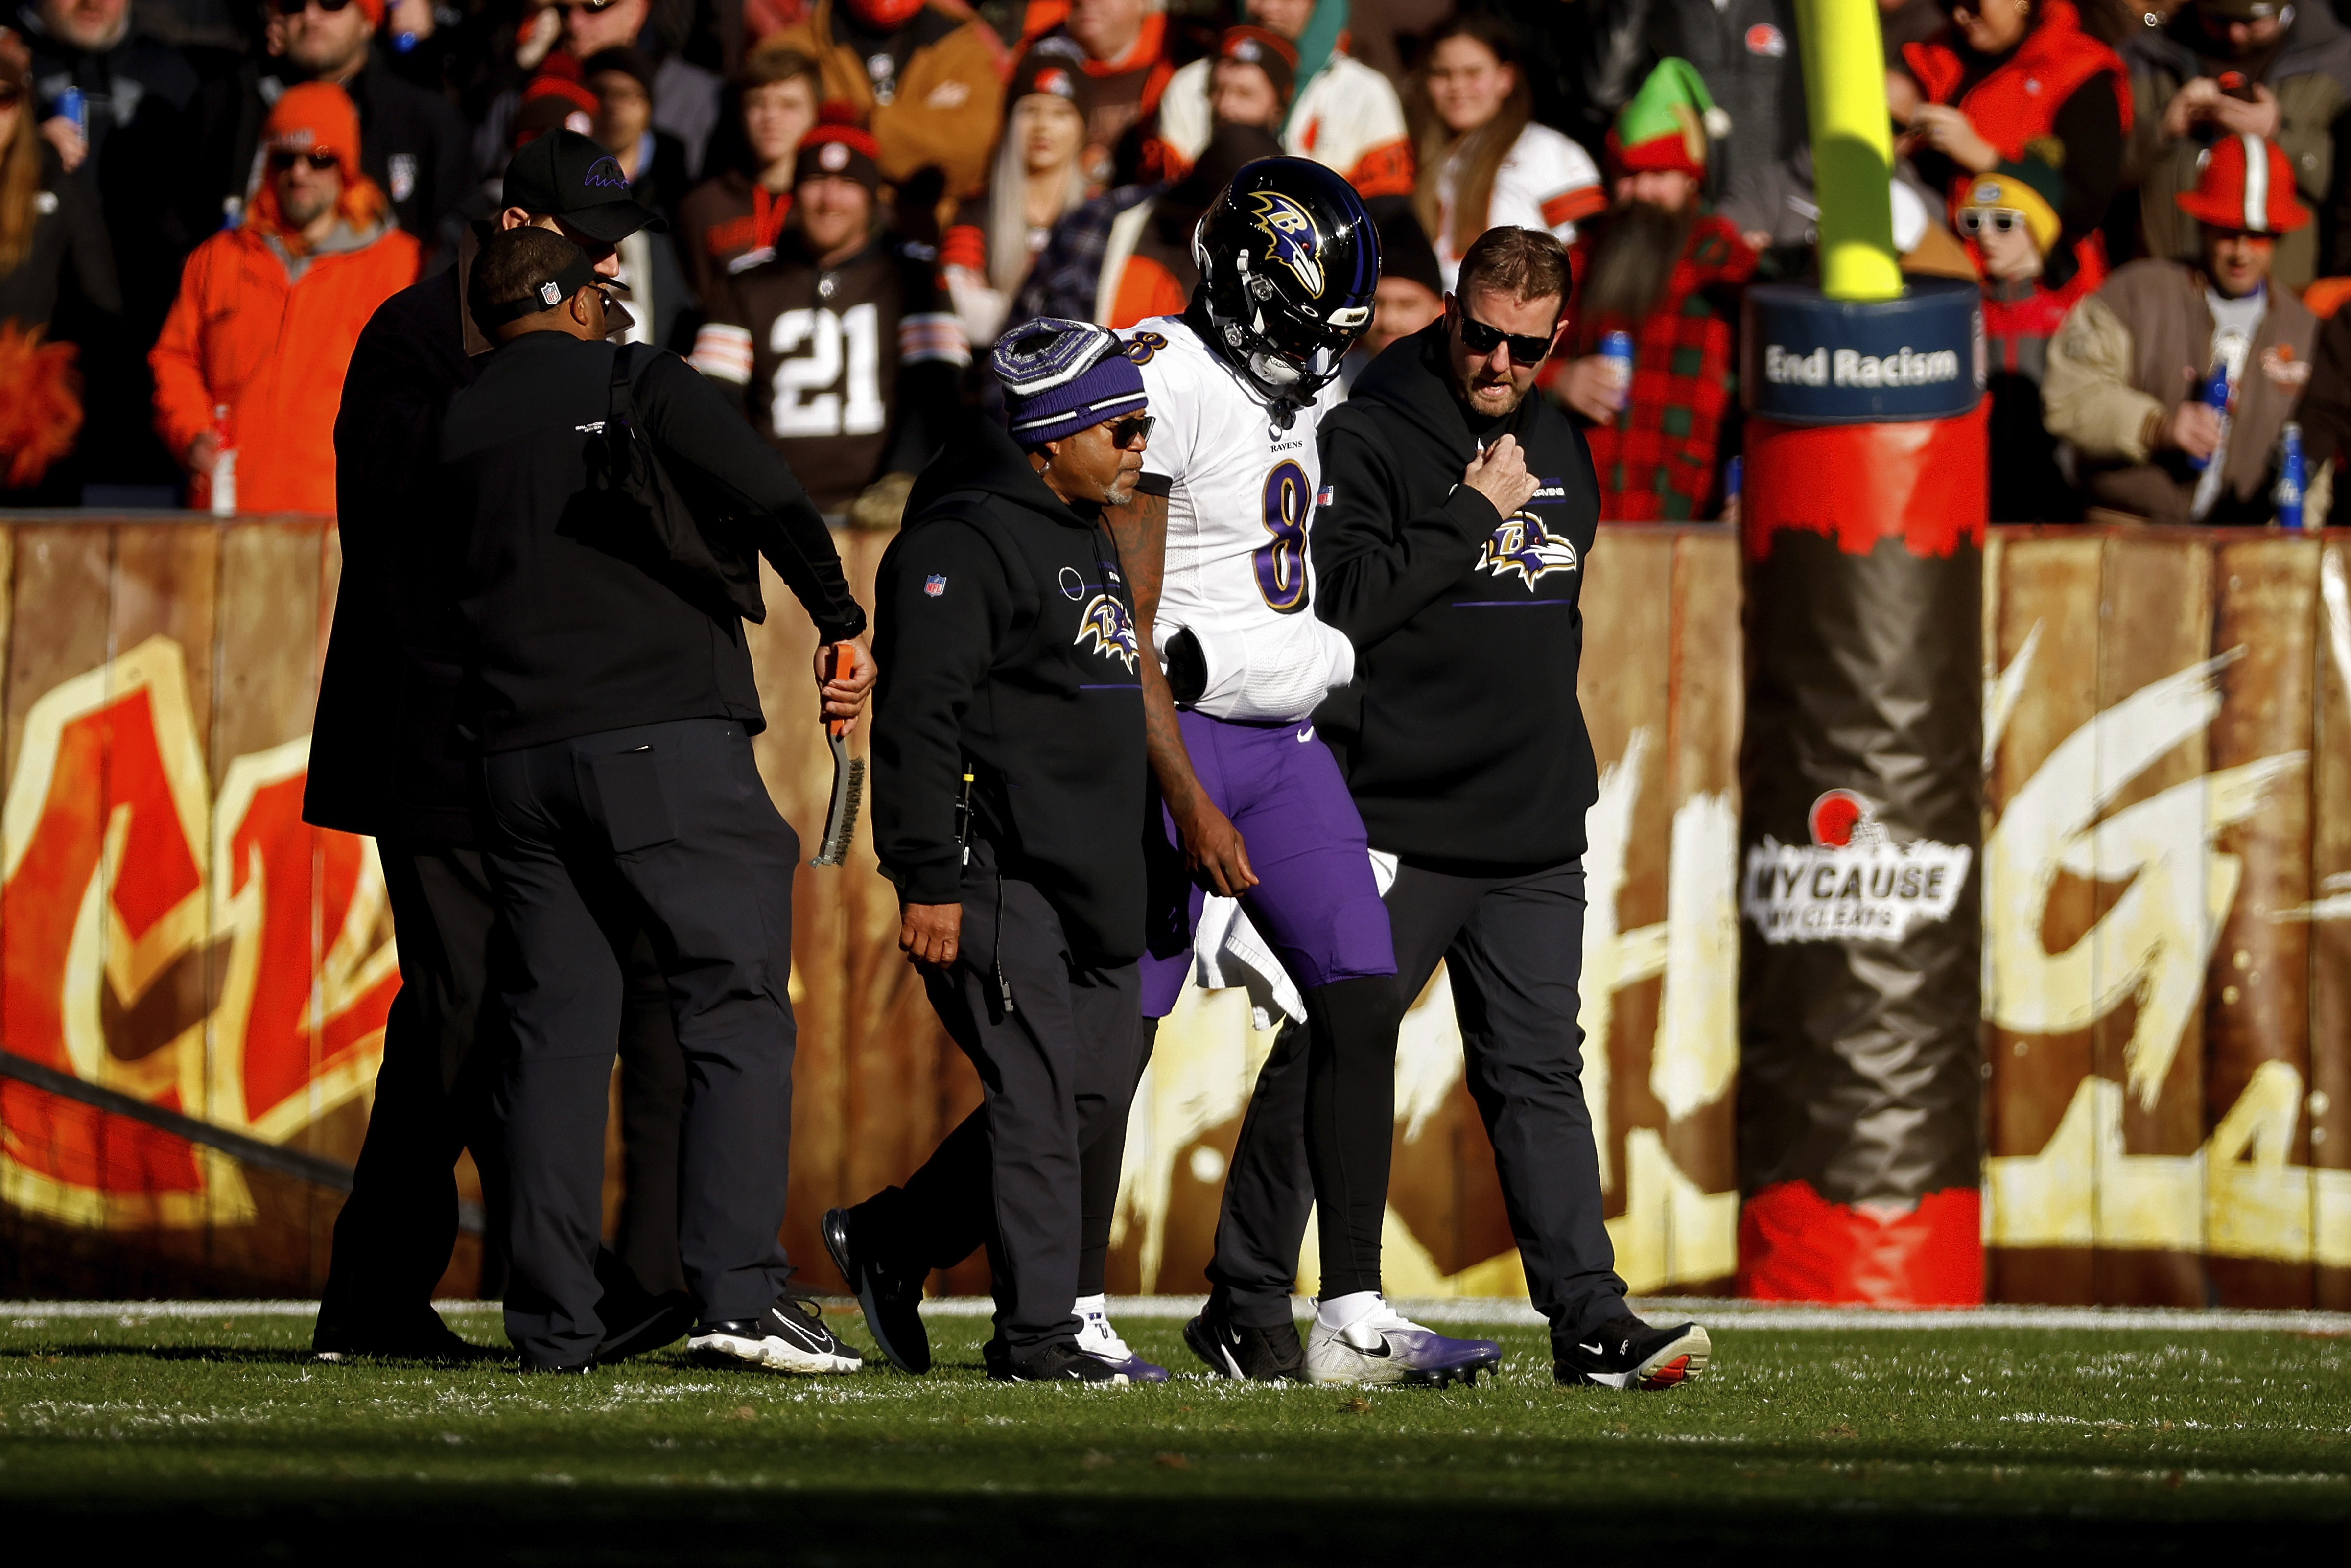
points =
(1351, 1045)
(1269, 1192)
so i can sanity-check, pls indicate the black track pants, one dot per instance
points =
(667, 829)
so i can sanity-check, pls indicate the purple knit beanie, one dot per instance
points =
(1061, 377)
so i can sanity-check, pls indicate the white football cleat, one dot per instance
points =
(1099, 1340)
(1384, 1346)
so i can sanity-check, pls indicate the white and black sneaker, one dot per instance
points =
(1626, 1353)
(789, 1336)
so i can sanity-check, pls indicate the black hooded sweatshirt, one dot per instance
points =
(1461, 735)
(1004, 634)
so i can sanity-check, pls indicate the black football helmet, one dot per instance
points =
(1289, 263)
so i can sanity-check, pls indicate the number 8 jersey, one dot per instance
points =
(1240, 498)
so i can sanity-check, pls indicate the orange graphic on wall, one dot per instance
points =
(216, 957)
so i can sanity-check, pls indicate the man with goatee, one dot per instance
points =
(1660, 265)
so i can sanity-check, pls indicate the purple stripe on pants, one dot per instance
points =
(1315, 903)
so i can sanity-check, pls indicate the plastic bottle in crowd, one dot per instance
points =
(73, 106)
(1731, 475)
(2216, 398)
(2289, 482)
(1616, 348)
(224, 464)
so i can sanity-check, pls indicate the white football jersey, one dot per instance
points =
(1545, 182)
(1241, 502)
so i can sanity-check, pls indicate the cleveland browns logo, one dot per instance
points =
(1107, 622)
(1290, 237)
(1524, 547)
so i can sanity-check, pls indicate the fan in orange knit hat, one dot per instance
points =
(2247, 185)
(314, 120)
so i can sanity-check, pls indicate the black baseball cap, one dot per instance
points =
(569, 176)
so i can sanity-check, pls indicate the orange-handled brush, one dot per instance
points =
(848, 778)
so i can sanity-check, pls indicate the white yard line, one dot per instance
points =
(1714, 1312)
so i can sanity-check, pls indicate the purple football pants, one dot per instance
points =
(1315, 903)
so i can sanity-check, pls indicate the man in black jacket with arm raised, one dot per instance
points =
(1449, 543)
(610, 696)
(385, 762)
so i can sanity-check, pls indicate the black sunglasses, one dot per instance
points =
(1483, 340)
(1125, 433)
(295, 7)
(279, 161)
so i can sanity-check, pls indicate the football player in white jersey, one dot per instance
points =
(1216, 548)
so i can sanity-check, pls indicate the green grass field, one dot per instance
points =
(163, 1433)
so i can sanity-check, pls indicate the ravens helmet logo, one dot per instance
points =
(1290, 236)
(1107, 620)
(1523, 547)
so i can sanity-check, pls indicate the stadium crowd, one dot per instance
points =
(202, 201)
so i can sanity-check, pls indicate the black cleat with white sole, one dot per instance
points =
(789, 1336)
(1626, 1353)
(1241, 1352)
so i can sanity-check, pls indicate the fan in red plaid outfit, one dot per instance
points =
(1662, 267)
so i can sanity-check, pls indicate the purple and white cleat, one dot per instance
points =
(1099, 1340)
(1381, 1345)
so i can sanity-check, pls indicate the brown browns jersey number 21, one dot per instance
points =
(844, 370)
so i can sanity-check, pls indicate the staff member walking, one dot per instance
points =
(1450, 539)
(614, 713)
(384, 762)
(1006, 633)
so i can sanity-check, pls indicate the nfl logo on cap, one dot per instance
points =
(549, 293)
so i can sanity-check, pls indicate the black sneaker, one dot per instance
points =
(789, 1336)
(1626, 1353)
(891, 1301)
(1060, 1362)
(1238, 1351)
(420, 1335)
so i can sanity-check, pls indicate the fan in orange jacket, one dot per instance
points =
(269, 312)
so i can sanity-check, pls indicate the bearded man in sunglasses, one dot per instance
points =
(1450, 538)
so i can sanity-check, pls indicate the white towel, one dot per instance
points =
(1226, 952)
